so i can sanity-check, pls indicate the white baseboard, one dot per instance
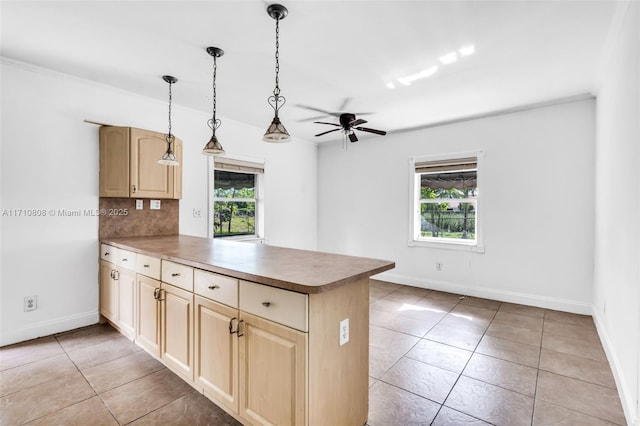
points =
(626, 397)
(491, 293)
(47, 328)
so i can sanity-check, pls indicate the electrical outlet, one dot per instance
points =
(344, 331)
(154, 204)
(139, 204)
(197, 213)
(438, 266)
(30, 303)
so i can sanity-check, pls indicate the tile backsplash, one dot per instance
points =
(119, 218)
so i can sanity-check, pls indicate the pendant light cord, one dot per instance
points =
(215, 71)
(276, 91)
(170, 97)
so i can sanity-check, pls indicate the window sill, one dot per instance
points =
(448, 245)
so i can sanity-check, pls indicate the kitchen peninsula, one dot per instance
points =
(272, 335)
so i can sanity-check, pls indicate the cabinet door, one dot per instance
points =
(176, 330)
(126, 282)
(216, 351)
(108, 292)
(148, 315)
(114, 161)
(273, 366)
(148, 178)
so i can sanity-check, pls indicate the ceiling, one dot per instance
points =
(331, 53)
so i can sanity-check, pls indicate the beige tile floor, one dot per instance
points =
(435, 359)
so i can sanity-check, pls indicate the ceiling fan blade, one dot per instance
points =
(366, 129)
(357, 122)
(353, 137)
(313, 118)
(335, 114)
(328, 131)
(324, 122)
(344, 104)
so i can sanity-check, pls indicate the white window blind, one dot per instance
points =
(240, 166)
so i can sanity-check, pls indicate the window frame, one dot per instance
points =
(415, 240)
(259, 200)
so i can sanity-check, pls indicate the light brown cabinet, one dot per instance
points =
(118, 289)
(268, 356)
(273, 372)
(176, 330)
(129, 164)
(216, 351)
(108, 291)
(148, 314)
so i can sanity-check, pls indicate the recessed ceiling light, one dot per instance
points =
(449, 58)
(467, 50)
(422, 74)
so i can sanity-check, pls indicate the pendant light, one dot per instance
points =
(169, 158)
(276, 131)
(213, 147)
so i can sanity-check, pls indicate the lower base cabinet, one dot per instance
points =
(216, 351)
(273, 367)
(148, 314)
(176, 330)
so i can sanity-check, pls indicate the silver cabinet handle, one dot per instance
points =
(266, 304)
(213, 287)
(239, 332)
(175, 274)
(231, 330)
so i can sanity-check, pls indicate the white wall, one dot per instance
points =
(50, 161)
(537, 179)
(617, 207)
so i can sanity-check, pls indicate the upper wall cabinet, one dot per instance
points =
(129, 164)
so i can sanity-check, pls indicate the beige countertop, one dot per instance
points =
(298, 270)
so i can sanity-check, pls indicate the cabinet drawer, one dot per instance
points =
(216, 287)
(282, 306)
(147, 265)
(127, 259)
(108, 253)
(178, 275)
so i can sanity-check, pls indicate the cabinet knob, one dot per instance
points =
(213, 287)
(266, 304)
(175, 274)
(134, 188)
(106, 253)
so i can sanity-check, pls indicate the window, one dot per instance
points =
(445, 202)
(237, 206)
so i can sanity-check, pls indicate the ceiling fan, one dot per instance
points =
(348, 123)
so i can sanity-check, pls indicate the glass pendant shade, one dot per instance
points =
(213, 147)
(276, 132)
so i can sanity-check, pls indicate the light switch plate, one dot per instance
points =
(139, 204)
(344, 331)
(154, 204)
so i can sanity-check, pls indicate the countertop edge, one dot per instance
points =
(273, 282)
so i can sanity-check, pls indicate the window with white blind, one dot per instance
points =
(445, 201)
(236, 198)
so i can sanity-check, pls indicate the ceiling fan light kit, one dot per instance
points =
(276, 131)
(169, 157)
(214, 147)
